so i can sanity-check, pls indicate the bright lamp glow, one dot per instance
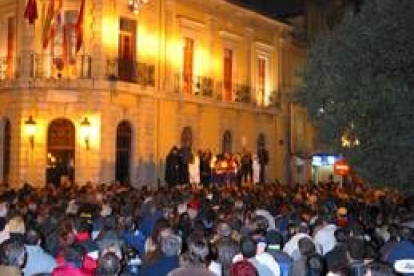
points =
(85, 131)
(30, 128)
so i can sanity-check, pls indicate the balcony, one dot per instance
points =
(194, 85)
(131, 71)
(44, 70)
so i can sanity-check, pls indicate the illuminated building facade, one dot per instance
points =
(206, 74)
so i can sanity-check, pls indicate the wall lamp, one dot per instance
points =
(85, 131)
(30, 127)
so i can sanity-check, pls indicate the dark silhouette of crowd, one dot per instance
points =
(222, 230)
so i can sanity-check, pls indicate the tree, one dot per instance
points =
(358, 83)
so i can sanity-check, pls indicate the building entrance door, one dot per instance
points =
(60, 152)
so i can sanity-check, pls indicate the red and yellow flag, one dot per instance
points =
(30, 13)
(52, 19)
(79, 26)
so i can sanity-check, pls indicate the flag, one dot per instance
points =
(79, 26)
(30, 12)
(52, 18)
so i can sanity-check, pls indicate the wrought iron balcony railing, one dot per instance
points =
(45, 66)
(194, 85)
(131, 71)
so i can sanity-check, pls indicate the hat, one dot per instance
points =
(342, 211)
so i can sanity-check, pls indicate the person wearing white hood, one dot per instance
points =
(194, 170)
(256, 169)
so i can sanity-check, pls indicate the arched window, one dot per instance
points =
(261, 141)
(6, 151)
(123, 152)
(227, 142)
(61, 137)
(187, 137)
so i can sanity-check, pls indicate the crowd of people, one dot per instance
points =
(216, 230)
(204, 167)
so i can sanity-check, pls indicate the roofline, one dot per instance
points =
(265, 16)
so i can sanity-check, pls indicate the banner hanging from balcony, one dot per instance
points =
(79, 26)
(52, 19)
(30, 13)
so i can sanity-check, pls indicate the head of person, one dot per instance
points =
(171, 245)
(74, 255)
(198, 251)
(223, 229)
(306, 247)
(243, 268)
(108, 265)
(13, 253)
(315, 265)
(379, 269)
(32, 237)
(16, 225)
(227, 250)
(356, 248)
(248, 247)
(274, 241)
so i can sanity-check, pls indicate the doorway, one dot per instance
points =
(60, 152)
(123, 152)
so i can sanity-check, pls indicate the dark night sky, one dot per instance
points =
(274, 8)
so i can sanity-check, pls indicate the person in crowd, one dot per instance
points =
(379, 269)
(325, 233)
(337, 257)
(17, 227)
(356, 256)
(404, 250)
(306, 250)
(166, 259)
(274, 242)
(243, 268)
(109, 265)
(38, 261)
(195, 259)
(73, 265)
(12, 257)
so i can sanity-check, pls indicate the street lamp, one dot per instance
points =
(85, 131)
(30, 127)
(135, 5)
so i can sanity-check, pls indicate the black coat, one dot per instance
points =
(172, 169)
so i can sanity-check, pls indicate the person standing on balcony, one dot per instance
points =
(172, 169)
(263, 156)
(194, 170)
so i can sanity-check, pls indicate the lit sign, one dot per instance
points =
(324, 160)
(341, 168)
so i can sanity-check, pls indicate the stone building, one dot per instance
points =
(204, 74)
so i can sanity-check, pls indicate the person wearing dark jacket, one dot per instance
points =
(172, 170)
(166, 259)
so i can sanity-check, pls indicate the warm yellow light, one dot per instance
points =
(148, 43)
(110, 30)
(89, 136)
(30, 126)
(201, 62)
(85, 128)
(175, 53)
